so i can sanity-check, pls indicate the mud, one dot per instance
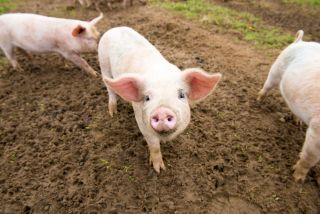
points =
(290, 17)
(60, 151)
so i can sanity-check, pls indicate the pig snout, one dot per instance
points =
(163, 120)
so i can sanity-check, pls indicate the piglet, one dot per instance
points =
(159, 92)
(36, 33)
(97, 3)
(297, 71)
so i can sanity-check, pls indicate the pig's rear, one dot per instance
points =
(300, 85)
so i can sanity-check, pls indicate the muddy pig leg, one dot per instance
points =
(310, 153)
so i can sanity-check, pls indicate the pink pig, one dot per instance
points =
(297, 72)
(159, 92)
(125, 3)
(36, 33)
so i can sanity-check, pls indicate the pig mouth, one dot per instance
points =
(166, 134)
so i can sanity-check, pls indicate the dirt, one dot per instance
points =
(290, 17)
(60, 151)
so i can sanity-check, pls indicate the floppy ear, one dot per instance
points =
(128, 87)
(97, 19)
(78, 30)
(201, 84)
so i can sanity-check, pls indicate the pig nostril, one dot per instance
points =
(155, 119)
(169, 119)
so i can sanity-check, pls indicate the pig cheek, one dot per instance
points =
(93, 45)
(184, 116)
(146, 116)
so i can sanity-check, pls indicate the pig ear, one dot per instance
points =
(201, 84)
(127, 87)
(78, 30)
(97, 19)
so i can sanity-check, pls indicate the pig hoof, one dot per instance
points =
(93, 73)
(261, 95)
(18, 68)
(300, 173)
(157, 164)
(297, 121)
(113, 109)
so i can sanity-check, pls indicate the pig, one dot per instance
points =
(37, 33)
(88, 3)
(159, 92)
(297, 72)
(125, 3)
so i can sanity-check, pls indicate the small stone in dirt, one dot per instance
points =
(46, 208)
(27, 210)
(199, 60)
(170, 205)
(113, 210)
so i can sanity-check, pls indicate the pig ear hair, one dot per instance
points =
(128, 87)
(201, 84)
(97, 19)
(78, 30)
(299, 36)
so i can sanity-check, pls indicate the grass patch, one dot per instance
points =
(5, 6)
(251, 27)
(304, 2)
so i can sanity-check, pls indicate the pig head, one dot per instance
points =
(161, 103)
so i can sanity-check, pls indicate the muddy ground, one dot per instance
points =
(290, 17)
(60, 151)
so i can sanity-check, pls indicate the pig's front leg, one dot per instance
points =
(310, 153)
(77, 60)
(155, 154)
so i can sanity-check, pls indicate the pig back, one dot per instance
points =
(129, 52)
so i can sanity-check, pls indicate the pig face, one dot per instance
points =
(88, 34)
(163, 101)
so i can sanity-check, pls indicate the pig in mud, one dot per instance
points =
(297, 71)
(160, 93)
(36, 33)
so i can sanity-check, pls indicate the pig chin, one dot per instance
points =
(167, 135)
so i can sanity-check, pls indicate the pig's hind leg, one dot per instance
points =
(9, 52)
(273, 80)
(310, 154)
(106, 72)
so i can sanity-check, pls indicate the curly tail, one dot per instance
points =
(299, 36)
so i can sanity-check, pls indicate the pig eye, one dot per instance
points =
(146, 98)
(181, 94)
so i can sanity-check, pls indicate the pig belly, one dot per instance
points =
(29, 43)
(301, 91)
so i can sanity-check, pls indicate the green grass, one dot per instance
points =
(304, 2)
(251, 27)
(5, 6)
